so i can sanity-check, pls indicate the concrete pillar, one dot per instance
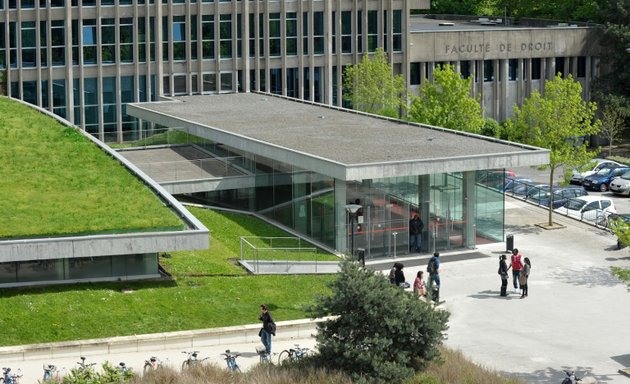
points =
(424, 202)
(341, 216)
(501, 100)
(469, 209)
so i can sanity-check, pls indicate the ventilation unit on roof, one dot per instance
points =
(446, 24)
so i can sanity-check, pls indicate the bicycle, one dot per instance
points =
(263, 355)
(84, 370)
(10, 378)
(50, 372)
(293, 354)
(153, 364)
(192, 359)
(230, 359)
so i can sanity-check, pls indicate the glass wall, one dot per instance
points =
(80, 269)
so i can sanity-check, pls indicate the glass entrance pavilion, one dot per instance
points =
(345, 180)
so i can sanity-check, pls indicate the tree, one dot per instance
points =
(381, 333)
(612, 125)
(372, 87)
(447, 102)
(556, 121)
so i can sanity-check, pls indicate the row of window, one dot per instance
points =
(30, 4)
(181, 38)
(466, 69)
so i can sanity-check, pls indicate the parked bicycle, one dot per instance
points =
(50, 372)
(9, 377)
(230, 359)
(293, 354)
(192, 359)
(152, 364)
(263, 355)
(84, 370)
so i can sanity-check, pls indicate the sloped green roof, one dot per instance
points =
(56, 182)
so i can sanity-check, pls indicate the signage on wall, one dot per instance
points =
(539, 46)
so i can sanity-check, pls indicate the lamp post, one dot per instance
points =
(352, 210)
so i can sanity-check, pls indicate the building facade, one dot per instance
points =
(84, 60)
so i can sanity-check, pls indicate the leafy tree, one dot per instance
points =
(447, 102)
(491, 128)
(372, 87)
(612, 125)
(381, 333)
(556, 121)
(614, 81)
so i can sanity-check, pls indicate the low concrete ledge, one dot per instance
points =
(277, 267)
(193, 339)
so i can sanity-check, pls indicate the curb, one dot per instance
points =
(193, 339)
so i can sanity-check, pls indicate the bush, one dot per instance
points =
(381, 333)
(491, 128)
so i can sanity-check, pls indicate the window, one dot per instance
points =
(560, 68)
(43, 44)
(465, 69)
(346, 32)
(59, 98)
(28, 44)
(58, 43)
(536, 69)
(414, 74)
(179, 38)
(359, 31)
(226, 82)
(90, 98)
(3, 59)
(179, 84)
(108, 41)
(293, 82)
(291, 34)
(318, 32)
(89, 41)
(274, 33)
(513, 70)
(305, 33)
(372, 38)
(252, 35)
(207, 37)
(275, 80)
(397, 31)
(209, 82)
(126, 40)
(225, 36)
(488, 70)
(165, 38)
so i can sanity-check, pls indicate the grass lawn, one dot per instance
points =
(209, 290)
(56, 182)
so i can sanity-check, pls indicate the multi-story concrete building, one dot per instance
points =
(85, 60)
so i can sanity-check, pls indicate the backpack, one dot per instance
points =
(431, 266)
(272, 328)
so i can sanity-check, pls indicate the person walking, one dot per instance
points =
(415, 233)
(434, 277)
(503, 272)
(418, 285)
(524, 277)
(268, 329)
(517, 267)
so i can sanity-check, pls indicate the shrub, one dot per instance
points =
(381, 333)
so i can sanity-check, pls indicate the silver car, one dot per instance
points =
(621, 185)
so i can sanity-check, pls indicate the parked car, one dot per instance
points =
(601, 180)
(517, 186)
(588, 208)
(621, 185)
(591, 168)
(495, 178)
(560, 196)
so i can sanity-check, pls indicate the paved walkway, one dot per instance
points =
(576, 315)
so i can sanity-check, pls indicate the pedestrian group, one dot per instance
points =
(521, 268)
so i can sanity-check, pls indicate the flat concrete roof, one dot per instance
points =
(336, 142)
(439, 23)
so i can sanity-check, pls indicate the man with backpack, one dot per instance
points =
(268, 329)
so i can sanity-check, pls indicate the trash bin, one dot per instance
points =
(361, 256)
(509, 243)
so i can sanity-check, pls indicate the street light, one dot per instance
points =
(352, 210)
